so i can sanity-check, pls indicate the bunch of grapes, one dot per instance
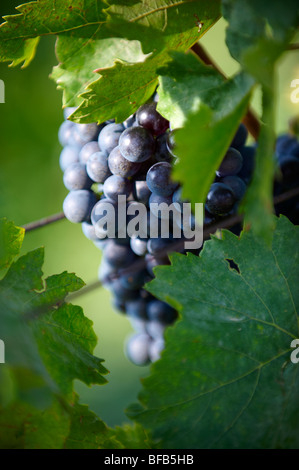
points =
(134, 160)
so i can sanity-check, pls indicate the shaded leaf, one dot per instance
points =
(11, 238)
(225, 379)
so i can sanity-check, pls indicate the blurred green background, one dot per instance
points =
(31, 188)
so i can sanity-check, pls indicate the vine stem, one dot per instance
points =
(44, 221)
(250, 119)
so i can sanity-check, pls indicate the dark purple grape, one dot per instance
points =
(65, 133)
(141, 192)
(137, 349)
(248, 154)
(120, 166)
(134, 280)
(220, 199)
(109, 137)
(231, 164)
(78, 205)
(75, 177)
(240, 137)
(69, 155)
(118, 255)
(161, 312)
(161, 213)
(162, 153)
(147, 116)
(158, 179)
(88, 230)
(139, 246)
(136, 144)
(137, 308)
(97, 167)
(115, 186)
(89, 132)
(236, 184)
(89, 149)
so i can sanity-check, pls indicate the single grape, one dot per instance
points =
(115, 186)
(120, 166)
(136, 349)
(248, 154)
(240, 137)
(136, 308)
(65, 132)
(139, 246)
(236, 184)
(155, 349)
(87, 150)
(161, 213)
(156, 246)
(161, 312)
(78, 205)
(75, 177)
(122, 294)
(220, 199)
(162, 153)
(231, 164)
(156, 329)
(118, 255)
(109, 137)
(134, 279)
(88, 230)
(148, 117)
(136, 144)
(158, 179)
(89, 132)
(97, 167)
(69, 155)
(141, 191)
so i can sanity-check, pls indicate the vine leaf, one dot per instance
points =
(11, 238)
(225, 379)
(213, 107)
(161, 24)
(50, 339)
(19, 34)
(121, 89)
(79, 57)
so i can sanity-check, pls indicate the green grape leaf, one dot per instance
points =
(87, 431)
(19, 34)
(258, 33)
(215, 108)
(158, 23)
(11, 238)
(226, 379)
(50, 339)
(79, 57)
(60, 426)
(121, 89)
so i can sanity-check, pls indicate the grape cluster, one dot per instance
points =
(134, 160)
